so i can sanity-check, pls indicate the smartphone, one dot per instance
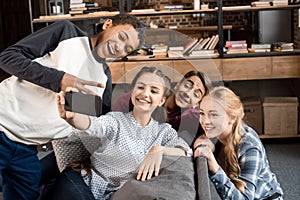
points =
(87, 104)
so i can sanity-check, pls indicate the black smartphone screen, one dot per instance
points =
(83, 103)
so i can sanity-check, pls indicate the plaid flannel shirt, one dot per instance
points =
(261, 183)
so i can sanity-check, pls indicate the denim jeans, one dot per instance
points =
(70, 186)
(20, 170)
(49, 169)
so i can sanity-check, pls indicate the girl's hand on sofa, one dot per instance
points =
(204, 147)
(150, 164)
(203, 140)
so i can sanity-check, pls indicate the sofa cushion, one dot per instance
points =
(175, 181)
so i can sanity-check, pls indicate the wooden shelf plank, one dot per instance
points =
(96, 15)
(277, 136)
(260, 8)
(53, 18)
(203, 28)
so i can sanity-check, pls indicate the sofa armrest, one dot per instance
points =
(203, 181)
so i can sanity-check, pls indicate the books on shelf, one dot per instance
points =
(283, 46)
(236, 51)
(196, 47)
(205, 53)
(83, 7)
(202, 44)
(79, 1)
(83, 10)
(202, 52)
(171, 7)
(160, 50)
(189, 45)
(236, 46)
(281, 49)
(199, 44)
(209, 42)
(279, 2)
(260, 3)
(214, 42)
(176, 48)
(252, 50)
(276, 46)
(259, 48)
(175, 53)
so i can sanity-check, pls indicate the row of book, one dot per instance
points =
(195, 47)
(199, 44)
(202, 47)
(240, 46)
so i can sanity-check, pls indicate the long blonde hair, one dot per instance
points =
(234, 108)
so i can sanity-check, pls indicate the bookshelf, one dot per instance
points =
(221, 10)
(232, 67)
(103, 14)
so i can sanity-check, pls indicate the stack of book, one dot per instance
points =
(260, 48)
(175, 51)
(160, 50)
(260, 3)
(283, 46)
(171, 7)
(78, 7)
(280, 2)
(236, 46)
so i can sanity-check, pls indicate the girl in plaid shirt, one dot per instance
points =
(238, 165)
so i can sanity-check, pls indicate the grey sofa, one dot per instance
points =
(180, 178)
(205, 188)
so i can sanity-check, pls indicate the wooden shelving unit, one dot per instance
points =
(233, 67)
(278, 136)
(221, 9)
